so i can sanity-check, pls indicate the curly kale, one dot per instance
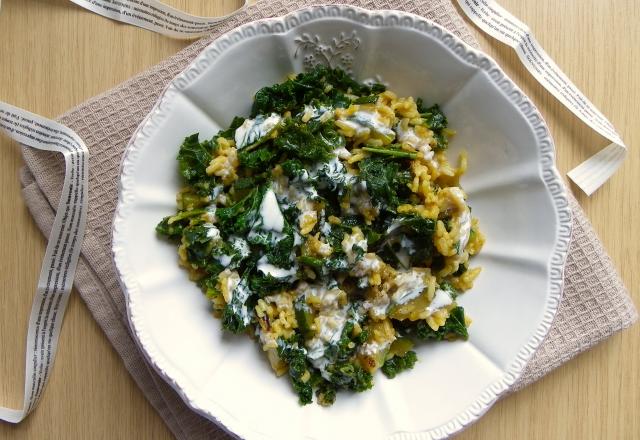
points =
(198, 244)
(371, 99)
(324, 266)
(410, 235)
(238, 313)
(436, 121)
(343, 370)
(258, 159)
(358, 252)
(345, 348)
(326, 393)
(384, 180)
(416, 225)
(299, 371)
(240, 217)
(209, 285)
(249, 183)
(397, 364)
(336, 235)
(265, 284)
(293, 168)
(278, 248)
(313, 262)
(279, 254)
(453, 328)
(194, 157)
(321, 85)
(172, 231)
(304, 316)
(350, 375)
(433, 116)
(337, 263)
(308, 142)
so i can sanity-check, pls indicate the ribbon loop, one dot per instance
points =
(496, 21)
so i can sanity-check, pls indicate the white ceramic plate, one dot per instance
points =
(513, 188)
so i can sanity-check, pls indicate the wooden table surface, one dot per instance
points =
(54, 55)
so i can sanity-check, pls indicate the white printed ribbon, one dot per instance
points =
(155, 16)
(63, 248)
(501, 25)
(65, 239)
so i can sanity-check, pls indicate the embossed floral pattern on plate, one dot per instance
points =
(337, 53)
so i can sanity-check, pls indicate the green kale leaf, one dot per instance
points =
(435, 119)
(371, 99)
(316, 263)
(350, 375)
(337, 263)
(304, 316)
(384, 180)
(238, 313)
(437, 122)
(345, 348)
(292, 168)
(245, 183)
(407, 241)
(264, 284)
(194, 157)
(240, 217)
(209, 284)
(335, 237)
(325, 266)
(280, 253)
(172, 226)
(321, 85)
(308, 142)
(326, 393)
(198, 244)
(415, 225)
(397, 364)
(343, 370)
(278, 247)
(258, 159)
(290, 352)
(453, 328)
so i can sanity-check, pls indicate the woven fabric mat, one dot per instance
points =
(595, 303)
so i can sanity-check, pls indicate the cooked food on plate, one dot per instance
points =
(330, 226)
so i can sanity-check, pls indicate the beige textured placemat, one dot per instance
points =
(595, 303)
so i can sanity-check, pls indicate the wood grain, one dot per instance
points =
(54, 55)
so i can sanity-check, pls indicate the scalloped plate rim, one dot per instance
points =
(549, 174)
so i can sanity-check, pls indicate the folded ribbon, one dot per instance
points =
(63, 248)
(493, 19)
